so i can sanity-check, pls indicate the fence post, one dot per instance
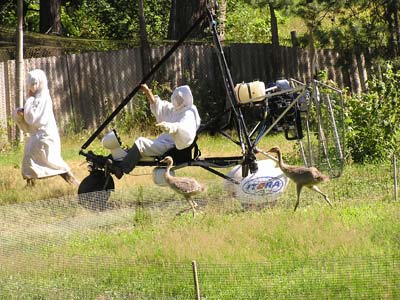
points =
(196, 281)
(293, 36)
(19, 63)
(395, 177)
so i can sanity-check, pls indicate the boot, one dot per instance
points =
(131, 159)
(115, 168)
(119, 168)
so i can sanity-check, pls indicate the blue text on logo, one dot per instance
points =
(263, 185)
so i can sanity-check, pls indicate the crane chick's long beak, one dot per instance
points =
(165, 160)
(266, 153)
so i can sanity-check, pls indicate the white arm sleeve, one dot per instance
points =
(37, 111)
(161, 109)
(20, 121)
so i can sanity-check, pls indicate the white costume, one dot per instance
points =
(42, 153)
(178, 118)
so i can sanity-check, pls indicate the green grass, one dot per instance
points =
(252, 236)
(51, 248)
(350, 252)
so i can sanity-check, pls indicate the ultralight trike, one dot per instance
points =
(311, 114)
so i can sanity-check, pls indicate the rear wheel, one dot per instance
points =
(95, 189)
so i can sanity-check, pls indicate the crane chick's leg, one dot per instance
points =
(315, 188)
(194, 203)
(191, 202)
(299, 187)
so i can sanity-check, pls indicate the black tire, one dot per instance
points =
(96, 181)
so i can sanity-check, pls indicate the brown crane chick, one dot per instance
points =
(187, 187)
(302, 176)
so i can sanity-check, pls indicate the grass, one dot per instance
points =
(346, 253)
(54, 249)
(12, 186)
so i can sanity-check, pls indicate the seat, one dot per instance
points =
(183, 155)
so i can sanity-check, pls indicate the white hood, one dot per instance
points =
(37, 82)
(182, 99)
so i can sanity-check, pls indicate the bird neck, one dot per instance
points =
(280, 161)
(167, 174)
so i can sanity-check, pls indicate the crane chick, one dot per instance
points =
(302, 176)
(187, 187)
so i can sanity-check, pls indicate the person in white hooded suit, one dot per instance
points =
(42, 152)
(179, 119)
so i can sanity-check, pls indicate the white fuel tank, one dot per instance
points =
(250, 92)
(267, 184)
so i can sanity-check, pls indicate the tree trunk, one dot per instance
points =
(390, 22)
(354, 75)
(222, 19)
(396, 24)
(313, 54)
(145, 50)
(276, 68)
(183, 14)
(274, 25)
(50, 16)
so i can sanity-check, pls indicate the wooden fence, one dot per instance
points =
(86, 86)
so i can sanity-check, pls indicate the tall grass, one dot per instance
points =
(13, 188)
(52, 248)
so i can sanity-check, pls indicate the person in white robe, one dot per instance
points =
(42, 152)
(179, 119)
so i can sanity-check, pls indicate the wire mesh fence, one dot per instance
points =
(101, 278)
(36, 239)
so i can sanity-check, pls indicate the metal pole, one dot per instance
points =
(395, 177)
(19, 66)
(196, 281)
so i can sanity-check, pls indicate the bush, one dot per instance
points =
(138, 115)
(373, 119)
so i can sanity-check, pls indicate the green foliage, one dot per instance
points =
(85, 21)
(247, 24)
(349, 26)
(8, 13)
(3, 137)
(373, 119)
(101, 19)
(97, 19)
(74, 126)
(138, 116)
(115, 19)
(157, 18)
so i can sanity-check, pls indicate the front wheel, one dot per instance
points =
(95, 189)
